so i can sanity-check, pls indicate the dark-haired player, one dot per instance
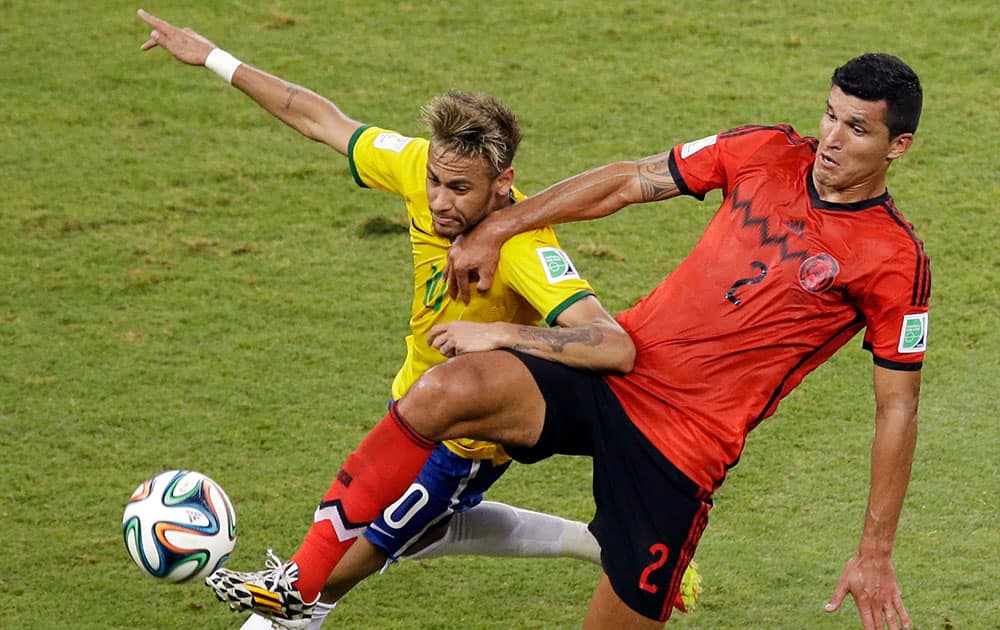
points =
(806, 250)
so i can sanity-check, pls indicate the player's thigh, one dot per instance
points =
(607, 610)
(487, 395)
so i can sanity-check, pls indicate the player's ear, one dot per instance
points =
(899, 145)
(504, 182)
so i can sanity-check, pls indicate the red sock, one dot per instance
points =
(679, 603)
(373, 476)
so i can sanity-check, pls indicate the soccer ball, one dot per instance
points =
(179, 526)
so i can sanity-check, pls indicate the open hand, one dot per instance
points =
(872, 583)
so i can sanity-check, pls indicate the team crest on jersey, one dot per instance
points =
(913, 334)
(817, 273)
(435, 288)
(391, 142)
(556, 264)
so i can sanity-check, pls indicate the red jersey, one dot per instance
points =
(777, 283)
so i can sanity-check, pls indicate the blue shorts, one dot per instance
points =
(446, 484)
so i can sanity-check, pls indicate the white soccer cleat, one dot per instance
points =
(269, 593)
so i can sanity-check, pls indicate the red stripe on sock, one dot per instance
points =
(408, 428)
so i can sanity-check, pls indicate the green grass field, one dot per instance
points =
(187, 283)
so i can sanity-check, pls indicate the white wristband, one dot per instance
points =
(222, 63)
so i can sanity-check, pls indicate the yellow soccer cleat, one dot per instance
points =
(690, 589)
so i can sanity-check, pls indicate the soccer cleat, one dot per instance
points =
(269, 592)
(690, 589)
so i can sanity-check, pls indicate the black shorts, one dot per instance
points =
(649, 516)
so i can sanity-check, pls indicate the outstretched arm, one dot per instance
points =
(869, 575)
(587, 337)
(305, 111)
(590, 195)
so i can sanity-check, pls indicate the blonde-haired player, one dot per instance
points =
(448, 183)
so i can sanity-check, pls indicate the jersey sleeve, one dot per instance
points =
(895, 307)
(714, 162)
(384, 159)
(535, 267)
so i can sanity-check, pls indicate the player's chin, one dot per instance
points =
(824, 177)
(450, 231)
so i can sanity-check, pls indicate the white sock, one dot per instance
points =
(320, 612)
(500, 530)
(258, 622)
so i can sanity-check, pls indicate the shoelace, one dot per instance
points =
(281, 576)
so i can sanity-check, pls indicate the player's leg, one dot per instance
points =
(487, 529)
(488, 395)
(501, 530)
(484, 395)
(649, 519)
(446, 484)
(607, 610)
(360, 561)
(649, 515)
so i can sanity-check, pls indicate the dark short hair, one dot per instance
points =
(880, 76)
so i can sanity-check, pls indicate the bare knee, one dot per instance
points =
(485, 395)
(443, 396)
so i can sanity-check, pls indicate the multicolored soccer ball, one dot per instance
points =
(179, 525)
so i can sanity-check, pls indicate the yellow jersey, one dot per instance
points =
(534, 280)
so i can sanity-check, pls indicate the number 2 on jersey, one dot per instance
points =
(761, 274)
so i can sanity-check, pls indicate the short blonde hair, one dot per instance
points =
(471, 124)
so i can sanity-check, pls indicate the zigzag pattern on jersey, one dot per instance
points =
(762, 223)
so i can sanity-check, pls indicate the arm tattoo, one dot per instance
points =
(292, 93)
(556, 339)
(655, 179)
